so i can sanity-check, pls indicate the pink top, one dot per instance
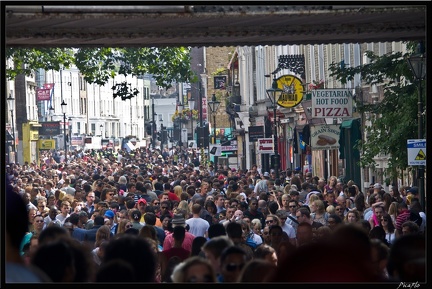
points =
(187, 243)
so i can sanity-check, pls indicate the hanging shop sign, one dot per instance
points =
(293, 91)
(328, 103)
(220, 81)
(325, 137)
(265, 146)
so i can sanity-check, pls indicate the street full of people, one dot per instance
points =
(167, 216)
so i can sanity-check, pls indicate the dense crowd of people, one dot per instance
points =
(165, 217)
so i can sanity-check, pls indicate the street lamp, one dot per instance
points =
(273, 94)
(214, 105)
(63, 107)
(101, 130)
(191, 107)
(51, 111)
(180, 122)
(11, 104)
(417, 64)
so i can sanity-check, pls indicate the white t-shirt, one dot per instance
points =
(287, 228)
(197, 226)
(62, 218)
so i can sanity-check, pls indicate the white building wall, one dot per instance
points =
(116, 116)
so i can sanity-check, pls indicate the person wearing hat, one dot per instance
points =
(141, 206)
(377, 187)
(178, 220)
(413, 191)
(110, 221)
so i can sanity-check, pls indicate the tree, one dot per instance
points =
(394, 119)
(98, 65)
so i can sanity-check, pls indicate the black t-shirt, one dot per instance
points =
(255, 215)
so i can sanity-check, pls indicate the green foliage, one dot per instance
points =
(26, 60)
(97, 65)
(394, 119)
(220, 71)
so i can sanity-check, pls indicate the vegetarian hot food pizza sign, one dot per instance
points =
(333, 103)
(325, 137)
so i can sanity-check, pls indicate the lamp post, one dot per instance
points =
(161, 132)
(63, 107)
(70, 130)
(201, 134)
(11, 104)
(153, 128)
(180, 123)
(191, 107)
(214, 105)
(273, 94)
(101, 130)
(51, 112)
(417, 64)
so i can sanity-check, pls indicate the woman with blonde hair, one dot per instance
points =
(330, 209)
(178, 190)
(331, 185)
(393, 211)
(311, 199)
(184, 208)
(287, 189)
(318, 213)
(256, 226)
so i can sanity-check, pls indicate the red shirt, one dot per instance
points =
(187, 242)
(173, 197)
(402, 218)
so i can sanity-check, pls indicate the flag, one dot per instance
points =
(48, 85)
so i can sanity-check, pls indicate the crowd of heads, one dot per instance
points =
(164, 217)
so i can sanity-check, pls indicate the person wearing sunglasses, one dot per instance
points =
(232, 261)
(38, 224)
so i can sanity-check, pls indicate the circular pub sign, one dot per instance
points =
(293, 91)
